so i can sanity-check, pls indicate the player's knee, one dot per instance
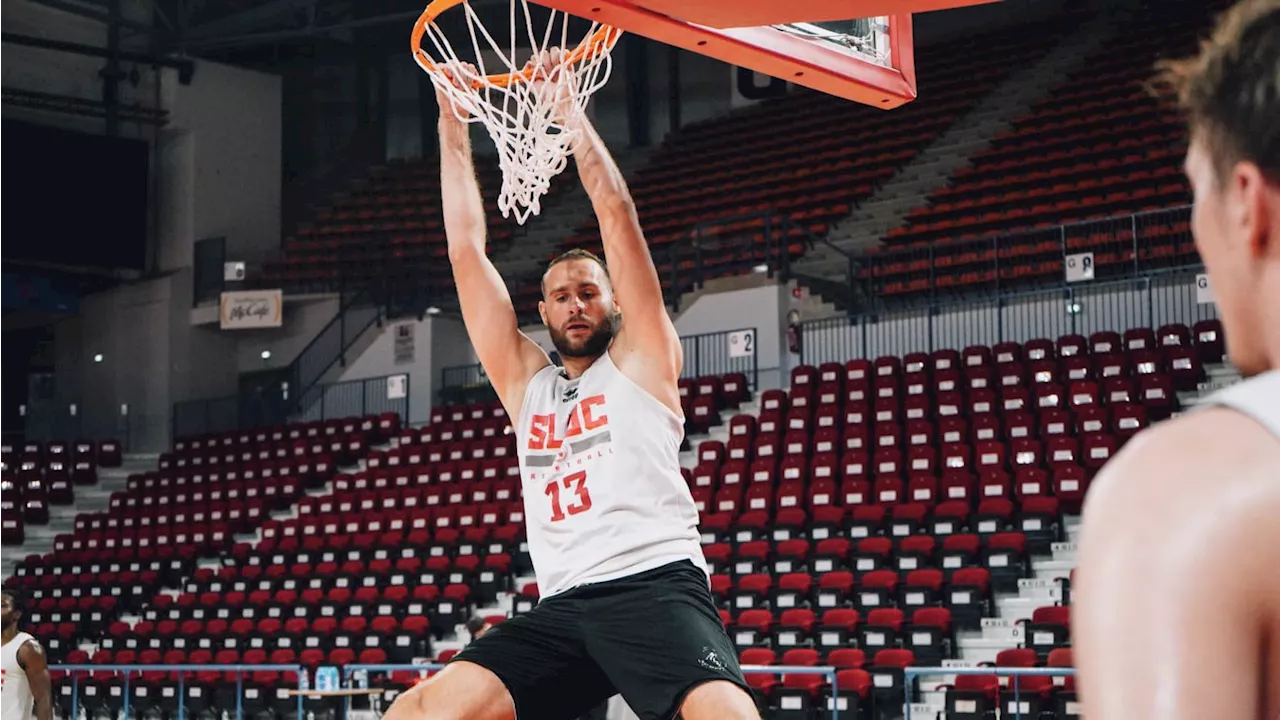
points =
(460, 692)
(415, 704)
(719, 700)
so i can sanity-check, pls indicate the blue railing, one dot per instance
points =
(73, 672)
(826, 671)
(909, 675)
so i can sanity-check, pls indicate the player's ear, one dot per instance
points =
(1254, 212)
(542, 312)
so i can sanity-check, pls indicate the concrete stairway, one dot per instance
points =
(970, 135)
(88, 498)
(1217, 377)
(1041, 589)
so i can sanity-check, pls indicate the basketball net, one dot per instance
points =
(523, 114)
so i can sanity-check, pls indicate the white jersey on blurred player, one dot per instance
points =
(604, 496)
(16, 700)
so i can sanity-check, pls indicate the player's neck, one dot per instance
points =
(8, 634)
(574, 367)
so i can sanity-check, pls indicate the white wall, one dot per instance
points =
(763, 308)
(301, 323)
(439, 342)
(202, 359)
(218, 174)
(379, 360)
(221, 155)
(128, 327)
(450, 345)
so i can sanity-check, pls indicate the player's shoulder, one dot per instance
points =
(29, 649)
(1182, 506)
(1201, 462)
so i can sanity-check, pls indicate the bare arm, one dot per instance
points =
(32, 660)
(509, 357)
(648, 345)
(1170, 610)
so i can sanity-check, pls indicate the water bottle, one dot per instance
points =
(327, 678)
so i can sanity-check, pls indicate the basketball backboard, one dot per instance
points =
(813, 43)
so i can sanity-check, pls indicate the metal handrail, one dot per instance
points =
(826, 670)
(911, 672)
(73, 671)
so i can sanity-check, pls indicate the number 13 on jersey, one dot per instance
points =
(579, 502)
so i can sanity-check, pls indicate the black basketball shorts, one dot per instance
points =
(651, 637)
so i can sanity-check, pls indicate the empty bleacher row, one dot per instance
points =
(1099, 145)
(155, 531)
(868, 517)
(711, 171)
(389, 219)
(724, 174)
(825, 533)
(36, 475)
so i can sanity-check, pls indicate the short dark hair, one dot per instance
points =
(574, 254)
(16, 599)
(475, 623)
(1230, 91)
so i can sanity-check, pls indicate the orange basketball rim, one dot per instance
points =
(601, 41)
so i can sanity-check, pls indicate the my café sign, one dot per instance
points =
(249, 309)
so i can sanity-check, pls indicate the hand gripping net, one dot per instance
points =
(533, 143)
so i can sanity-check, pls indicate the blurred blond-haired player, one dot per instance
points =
(1177, 607)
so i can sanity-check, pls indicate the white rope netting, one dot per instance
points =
(523, 118)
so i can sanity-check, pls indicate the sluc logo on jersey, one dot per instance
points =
(582, 419)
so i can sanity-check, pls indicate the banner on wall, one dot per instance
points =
(397, 387)
(251, 309)
(404, 343)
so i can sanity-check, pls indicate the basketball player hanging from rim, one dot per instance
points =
(25, 688)
(1176, 611)
(612, 528)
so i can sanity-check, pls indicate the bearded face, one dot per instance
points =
(8, 613)
(581, 337)
(578, 309)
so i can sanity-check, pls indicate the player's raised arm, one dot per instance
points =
(646, 331)
(32, 660)
(509, 357)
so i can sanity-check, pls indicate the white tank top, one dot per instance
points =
(1258, 397)
(600, 470)
(15, 693)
